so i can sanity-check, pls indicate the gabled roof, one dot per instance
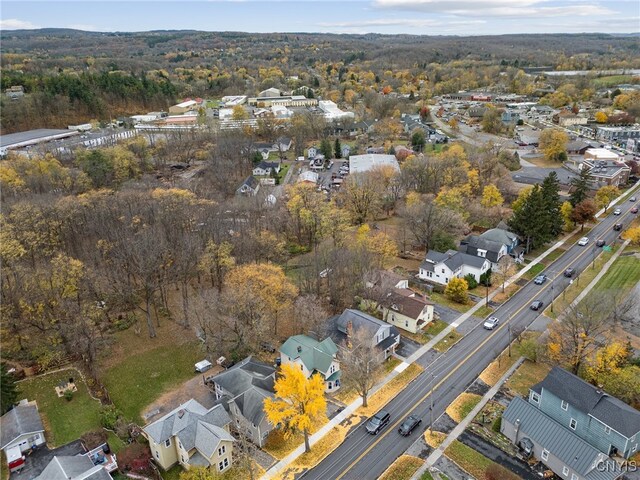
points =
(73, 468)
(472, 243)
(22, 419)
(499, 235)
(407, 302)
(250, 181)
(248, 383)
(591, 401)
(265, 165)
(194, 425)
(452, 259)
(559, 441)
(315, 355)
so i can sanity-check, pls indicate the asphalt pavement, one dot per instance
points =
(363, 456)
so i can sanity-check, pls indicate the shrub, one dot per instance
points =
(485, 278)
(497, 424)
(456, 290)
(68, 395)
(109, 416)
(471, 281)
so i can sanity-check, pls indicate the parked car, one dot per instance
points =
(634, 210)
(569, 272)
(632, 199)
(408, 425)
(617, 211)
(540, 279)
(617, 227)
(378, 422)
(537, 305)
(600, 243)
(583, 241)
(491, 323)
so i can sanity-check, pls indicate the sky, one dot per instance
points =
(416, 17)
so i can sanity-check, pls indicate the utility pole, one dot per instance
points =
(552, 295)
(431, 401)
(509, 330)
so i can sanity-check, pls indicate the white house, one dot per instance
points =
(407, 310)
(21, 429)
(308, 177)
(442, 267)
(313, 357)
(265, 168)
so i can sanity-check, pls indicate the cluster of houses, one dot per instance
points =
(573, 428)
(22, 435)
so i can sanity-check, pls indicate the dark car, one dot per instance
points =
(617, 226)
(540, 279)
(600, 243)
(378, 422)
(569, 272)
(634, 210)
(408, 425)
(537, 305)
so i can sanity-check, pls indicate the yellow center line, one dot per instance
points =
(439, 384)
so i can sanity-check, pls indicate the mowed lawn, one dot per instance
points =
(623, 275)
(64, 420)
(140, 379)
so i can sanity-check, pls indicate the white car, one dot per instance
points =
(491, 323)
(617, 211)
(583, 241)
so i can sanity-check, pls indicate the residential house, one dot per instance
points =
(603, 421)
(566, 118)
(567, 455)
(283, 144)
(249, 187)
(242, 390)
(265, 168)
(365, 126)
(383, 336)
(442, 267)
(79, 467)
(579, 147)
(481, 247)
(509, 239)
(375, 150)
(191, 435)
(312, 152)
(406, 309)
(345, 151)
(509, 116)
(21, 430)
(308, 177)
(313, 357)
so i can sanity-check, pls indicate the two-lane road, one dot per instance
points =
(363, 456)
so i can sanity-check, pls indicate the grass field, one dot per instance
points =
(64, 420)
(462, 406)
(527, 375)
(445, 344)
(496, 369)
(402, 469)
(623, 275)
(443, 300)
(139, 379)
(612, 80)
(473, 462)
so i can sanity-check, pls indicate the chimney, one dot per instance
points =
(299, 348)
(517, 431)
(180, 413)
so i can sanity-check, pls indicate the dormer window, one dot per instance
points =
(535, 398)
(395, 307)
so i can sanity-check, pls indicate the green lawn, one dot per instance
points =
(447, 342)
(473, 462)
(483, 311)
(623, 275)
(443, 300)
(64, 420)
(140, 379)
(534, 271)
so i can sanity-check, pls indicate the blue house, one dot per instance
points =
(603, 421)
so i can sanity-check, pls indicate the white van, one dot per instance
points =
(203, 366)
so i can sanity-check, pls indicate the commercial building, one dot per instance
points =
(370, 161)
(332, 112)
(183, 107)
(617, 134)
(285, 101)
(14, 141)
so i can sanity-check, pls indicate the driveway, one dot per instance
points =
(407, 347)
(40, 458)
(515, 465)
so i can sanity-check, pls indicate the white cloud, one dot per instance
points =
(15, 24)
(497, 8)
(85, 27)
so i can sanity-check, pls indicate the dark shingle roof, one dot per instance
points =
(474, 242)
(407, 302)
(18, 421)
(591, 401)
(452, 259)
(559, 441)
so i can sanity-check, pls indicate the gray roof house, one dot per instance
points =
(384, 336)
(191, 435)
(603, 421)
(249, 187)
(78, 467)
(493, 244)
(21, 428)
(264, 168)
(313, 357)
(556, 446)
(441, 267)
(242, 390)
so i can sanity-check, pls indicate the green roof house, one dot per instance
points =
(313, 357)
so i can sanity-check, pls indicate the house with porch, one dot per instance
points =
(406, 309)
(441, 267)
(192, 435)
(241, 390)
(493, 244)
(249, 187)
(313, 357)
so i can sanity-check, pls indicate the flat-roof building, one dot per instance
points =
(370, 161)
(32, 137)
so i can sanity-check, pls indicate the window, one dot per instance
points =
(535, 398)
(220, 466)
(329, 385)
(635, 447)
(182, 458)
(564, 405)
(607, 430)
(574, 476)
(226, 462)
(222, 450)
(572, 424)
(302, 367)
(545, 455)
(406, 323)
(565, 470)
(167, 442)
(157, 455)
(443, 270)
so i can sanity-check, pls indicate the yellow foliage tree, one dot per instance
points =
(609, 360)
(456, 290)
(553, 143)
(491, 197)
(298, 402)
(566, 210)
(239, 113)
(601, 117)
(199, 473)
(605, 195)
(633, 235)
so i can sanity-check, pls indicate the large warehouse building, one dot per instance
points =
(32, 137)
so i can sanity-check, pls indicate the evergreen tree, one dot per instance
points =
(581, 186)
(551, 197)
(528, 220)
(337, 149)
(8, 390)
(325, 148)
